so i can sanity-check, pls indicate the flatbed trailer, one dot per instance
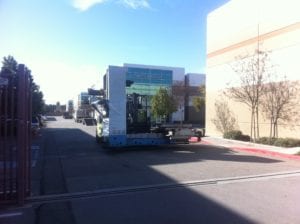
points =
(118, 115)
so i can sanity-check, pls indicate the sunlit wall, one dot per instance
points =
(238, 28)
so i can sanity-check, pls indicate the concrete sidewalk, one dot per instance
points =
(253, 147)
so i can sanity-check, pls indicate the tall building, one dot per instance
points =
(238, 29)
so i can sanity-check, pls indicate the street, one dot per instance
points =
(75, 180)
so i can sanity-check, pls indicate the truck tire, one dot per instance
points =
(98, 139)
(200, 134)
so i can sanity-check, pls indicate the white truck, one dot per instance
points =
(122, 118)
(83, 111)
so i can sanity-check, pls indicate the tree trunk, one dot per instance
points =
(276, 129)
(254, 125)
(251, 127)
(257, 121)
(271, 127)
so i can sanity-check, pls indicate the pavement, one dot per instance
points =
(287, 153)
(27, 214)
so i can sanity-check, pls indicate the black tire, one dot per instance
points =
(199, 134)
(98, 139)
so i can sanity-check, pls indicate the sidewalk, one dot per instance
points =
(289, 153)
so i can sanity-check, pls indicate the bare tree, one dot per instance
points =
(225, 120)
(279, 101)
(252, 72)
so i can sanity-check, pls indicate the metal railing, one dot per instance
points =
(15, 136)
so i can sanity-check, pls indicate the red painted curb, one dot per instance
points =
(206, 142)
(267, 152)
(194, 139)
(258, 150)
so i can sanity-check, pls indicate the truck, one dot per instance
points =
(68, 114)
(83, 111)
(123, 119)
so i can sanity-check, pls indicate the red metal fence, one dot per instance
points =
(15, 136)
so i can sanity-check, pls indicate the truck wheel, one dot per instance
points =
(200, 134)
(98, 139)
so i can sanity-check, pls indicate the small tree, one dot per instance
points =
(10, 66)
(224, 120)
(38, 103)
(163, 104)
(199, 101)
(252, 72)
(278, 103)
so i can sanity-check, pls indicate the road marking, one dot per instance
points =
(8, 215)
(146, 188)
(259, 177)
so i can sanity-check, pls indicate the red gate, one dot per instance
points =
(15, 136)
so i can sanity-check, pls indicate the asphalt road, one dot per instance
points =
(75, 180)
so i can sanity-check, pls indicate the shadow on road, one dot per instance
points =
(71, 161)
(196, 152)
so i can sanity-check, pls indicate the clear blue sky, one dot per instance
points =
(68, 44)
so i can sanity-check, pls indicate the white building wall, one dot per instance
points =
(237, 29)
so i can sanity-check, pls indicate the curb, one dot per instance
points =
(258, 151)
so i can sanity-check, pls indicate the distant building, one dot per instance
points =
(193, 81)
(63, 108)
(70, 106)
(146, 80)
(50, 109)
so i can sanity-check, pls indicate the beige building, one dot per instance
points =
(237, 29)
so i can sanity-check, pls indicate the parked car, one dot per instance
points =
(35, 125)
(42, 120)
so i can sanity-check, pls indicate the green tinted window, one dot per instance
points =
(148, 81)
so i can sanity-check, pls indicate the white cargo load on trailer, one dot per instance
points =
(116, 96)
